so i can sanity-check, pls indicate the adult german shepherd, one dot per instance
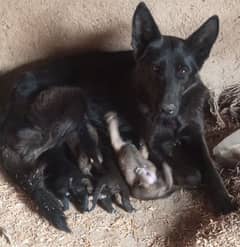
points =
(156, 87)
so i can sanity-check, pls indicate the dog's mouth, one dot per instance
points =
(165, 117)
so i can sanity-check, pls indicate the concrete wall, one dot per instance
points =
(30, 29)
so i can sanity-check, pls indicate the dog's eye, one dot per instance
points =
(156, 68)
(182, 70)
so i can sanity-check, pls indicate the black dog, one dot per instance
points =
(167, 81)
(58, 149)
(156, 88)
(33, 133)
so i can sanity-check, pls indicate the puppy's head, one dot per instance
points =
(147, 174)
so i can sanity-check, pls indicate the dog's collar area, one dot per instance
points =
(190, 88)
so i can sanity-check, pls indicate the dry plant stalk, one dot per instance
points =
(224, 230)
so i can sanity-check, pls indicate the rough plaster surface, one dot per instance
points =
(32, 29)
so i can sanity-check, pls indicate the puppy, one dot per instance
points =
(110, 183)
(140, 174)
(65, 180)
(87, 152)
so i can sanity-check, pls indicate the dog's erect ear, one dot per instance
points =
(202, 40)
(144, 29)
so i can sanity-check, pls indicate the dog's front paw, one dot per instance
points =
(226, 205)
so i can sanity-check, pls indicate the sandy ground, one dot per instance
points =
(32, 29)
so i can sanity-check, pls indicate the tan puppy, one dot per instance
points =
(141, 175)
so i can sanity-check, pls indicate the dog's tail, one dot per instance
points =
(116, 140)
(48, 205)
(50, 208)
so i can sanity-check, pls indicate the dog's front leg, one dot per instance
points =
(214, 182)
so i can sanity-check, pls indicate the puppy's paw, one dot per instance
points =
(129, 208)
(110, 116)
(140, 170)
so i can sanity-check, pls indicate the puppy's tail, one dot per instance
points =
(116, 140)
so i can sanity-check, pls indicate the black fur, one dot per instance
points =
(65, 179)
(160, 76)
(31, 132)
(167, 80)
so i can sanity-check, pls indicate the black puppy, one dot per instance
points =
(65, 179)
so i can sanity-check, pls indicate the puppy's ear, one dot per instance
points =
(144, 29)
(202, 40)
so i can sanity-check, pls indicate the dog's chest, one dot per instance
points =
(168, 128)
(167, 135)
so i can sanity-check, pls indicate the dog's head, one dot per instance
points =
(166, 66)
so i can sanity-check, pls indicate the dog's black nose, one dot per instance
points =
(169, 109)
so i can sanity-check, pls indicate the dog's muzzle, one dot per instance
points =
(169, 109)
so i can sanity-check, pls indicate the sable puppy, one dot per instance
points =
(110, 183)
(140, 174)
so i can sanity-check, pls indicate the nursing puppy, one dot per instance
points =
(141, 174)
(84, 148)
(65, 179)
(109, 185)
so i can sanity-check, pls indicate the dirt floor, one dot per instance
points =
(31, 29)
